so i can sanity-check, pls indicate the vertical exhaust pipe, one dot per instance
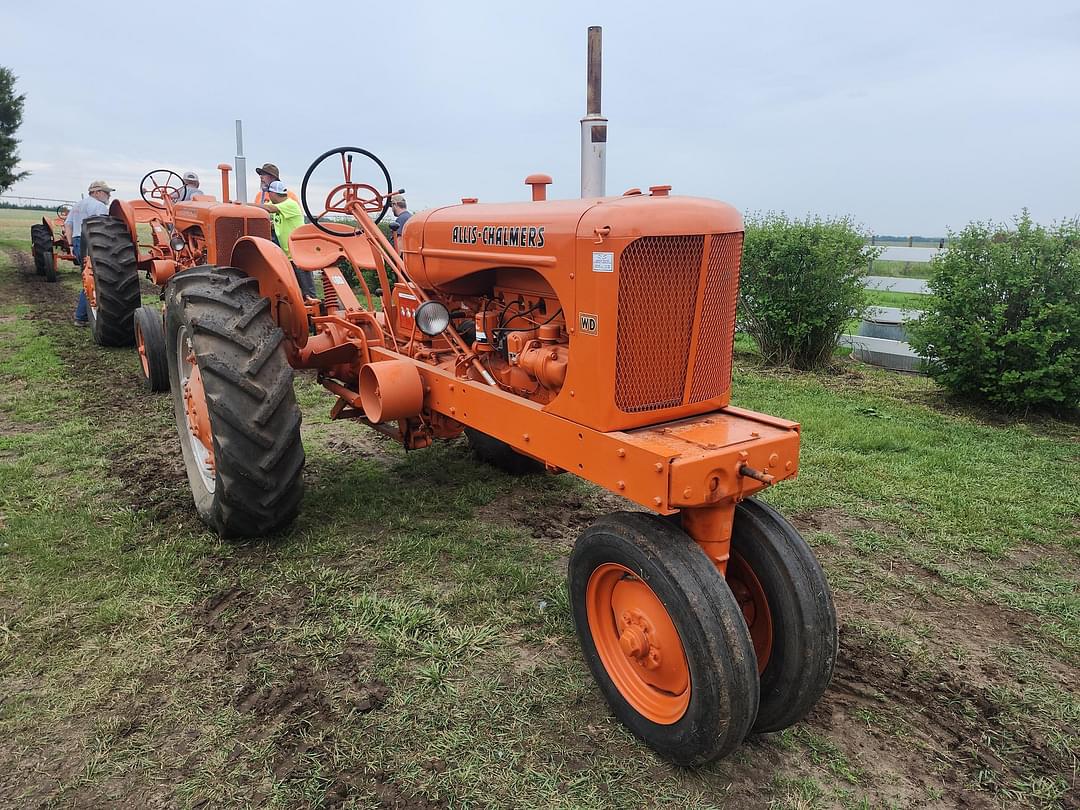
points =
(225, 168)
(241, 164)
(594, 126)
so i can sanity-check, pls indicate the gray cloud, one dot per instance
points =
(910, 117)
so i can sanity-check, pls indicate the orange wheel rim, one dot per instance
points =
(638, 643)
(140, 343)
(748, 592)
(88, 284)
(197, 412)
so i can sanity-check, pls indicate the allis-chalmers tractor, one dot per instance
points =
(175, 236)
(589, 336)
(50, 244)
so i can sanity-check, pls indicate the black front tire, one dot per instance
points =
(150, 341)
(804, 627)
(107, 242)
(42, 245)
(723, 679)
(256, 484)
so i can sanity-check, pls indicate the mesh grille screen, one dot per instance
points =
(712, 366)
(258, 227)
(229, 230)
(658, 280)
(658, 289)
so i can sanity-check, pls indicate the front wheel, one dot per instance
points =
(234, 402)
(42, 245)
(150, 341)
(789, 611)
(664, 637)
(107, 243)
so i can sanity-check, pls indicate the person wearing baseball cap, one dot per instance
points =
(287, 217)
(95, 204)
(401, 213)
(268, 173)
(190, 188)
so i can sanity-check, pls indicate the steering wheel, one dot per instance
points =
(63, 210)
(349, 192)
(157, 183)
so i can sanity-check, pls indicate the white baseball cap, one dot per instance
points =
(277, 187)
(191, 176)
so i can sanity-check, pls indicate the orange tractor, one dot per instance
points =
(589, 336)
(50, 244)
(158, 237)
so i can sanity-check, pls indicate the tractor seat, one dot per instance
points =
(312, 249)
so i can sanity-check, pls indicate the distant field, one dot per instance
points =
(15, 223)
(887, 267)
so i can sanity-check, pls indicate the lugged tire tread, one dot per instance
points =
(41, 240)
(253, 410)
(107, 242)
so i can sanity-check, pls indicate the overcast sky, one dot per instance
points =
(910, 117)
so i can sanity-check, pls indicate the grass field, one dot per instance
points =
(408, 644)
(888, 267)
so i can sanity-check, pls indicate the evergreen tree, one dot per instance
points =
(11, 112)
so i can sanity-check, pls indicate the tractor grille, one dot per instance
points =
(230, 229)
(659, 280)
(716, 333)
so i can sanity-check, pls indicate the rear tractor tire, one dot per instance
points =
(41, 241)
(499, 454)
(664, 637)
(107, 242)
(150, 341)
(235, 407)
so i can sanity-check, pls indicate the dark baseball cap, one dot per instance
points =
(270, 169)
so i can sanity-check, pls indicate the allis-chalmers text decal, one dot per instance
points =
(526, 236)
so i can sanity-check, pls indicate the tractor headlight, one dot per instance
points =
(432, 318)
(177, 243)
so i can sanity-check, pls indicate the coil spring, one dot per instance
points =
(330, 296)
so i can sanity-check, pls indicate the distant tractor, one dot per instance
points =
(590, 336)
(160, 238)
(50, 244)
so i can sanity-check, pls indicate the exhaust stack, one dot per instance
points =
(241, 164)
(594, 126)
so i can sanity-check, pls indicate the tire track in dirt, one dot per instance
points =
(296, 711)
(300, 710)
(942, 732)
(147, 459)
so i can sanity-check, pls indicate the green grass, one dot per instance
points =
(410, 638)
(888, 298)
(898, 269)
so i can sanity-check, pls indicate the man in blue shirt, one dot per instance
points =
(401, 213)
(94, 205)
(189, 189)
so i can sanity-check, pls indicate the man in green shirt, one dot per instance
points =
(287, 217)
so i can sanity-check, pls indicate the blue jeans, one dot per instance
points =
(82, 310)
(306, 282)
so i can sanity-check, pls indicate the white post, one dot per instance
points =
(241, 164)
(593, 126)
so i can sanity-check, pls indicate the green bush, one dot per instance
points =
(801, 283)
(1004, 325)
